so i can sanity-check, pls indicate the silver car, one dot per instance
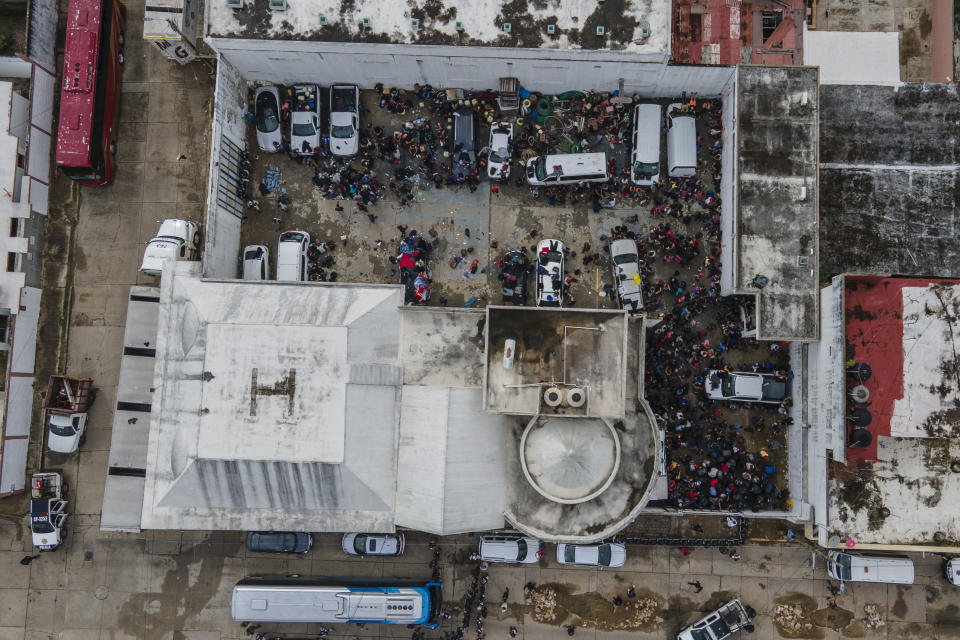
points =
(372, 544)
(305, 119)
(266, 115)
(625, 263)
(610, 554)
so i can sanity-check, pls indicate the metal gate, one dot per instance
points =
(228, 179)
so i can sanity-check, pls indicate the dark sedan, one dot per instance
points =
(279, 541)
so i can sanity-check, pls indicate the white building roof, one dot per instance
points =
(256, 419)
(641, 26)
(853, 57)
(282, 405)
(452, 460)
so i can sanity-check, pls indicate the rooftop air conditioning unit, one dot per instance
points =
(235, 4)
(278, 5)
(552, 397)
(576, 397)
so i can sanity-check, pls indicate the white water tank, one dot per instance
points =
(552, 397)
(576, 397)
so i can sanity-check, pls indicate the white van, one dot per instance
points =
(681, 142)
(510, 548)
(870, 567)
(567, 168)
(292, 256)
(645, 161)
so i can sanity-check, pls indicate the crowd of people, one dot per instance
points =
(713, 465)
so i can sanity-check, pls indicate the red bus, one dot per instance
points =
(90, 93)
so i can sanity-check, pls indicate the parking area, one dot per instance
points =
(476, 220)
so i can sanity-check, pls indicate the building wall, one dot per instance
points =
(728, 195)
(547, 70)
(222, 233)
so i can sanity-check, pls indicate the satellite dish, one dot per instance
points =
(833, 541)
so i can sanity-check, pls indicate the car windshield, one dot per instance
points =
(360, 544)
(498, 155)
(569, 553)
(553, 256)
(726, 386)
(843, 566)
(700, 634)
(646, 169)
(342, 131)
(521, 549)
(252, 254)
(603, 555)
(267, 121)
(65, 430)
(542, 168)
(625, 258)
(41, 525)
(304, 129)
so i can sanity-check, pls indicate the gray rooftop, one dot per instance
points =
(565, 348)
(257, 387)
(776, 234)
(640, 26)
(890, 179)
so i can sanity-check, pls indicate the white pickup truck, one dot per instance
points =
(48, 509)
(305, 119)
(344, 119)
(176, 240)
(66, 405)
(740, 386)
(720, 624)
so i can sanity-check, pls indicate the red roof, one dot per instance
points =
(79, 82)
(873, 311)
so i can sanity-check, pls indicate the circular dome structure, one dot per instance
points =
(569, 460)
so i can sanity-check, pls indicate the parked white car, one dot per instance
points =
(550, 273)
(344, 120)
(608, 554)
(176, 240)
(625, 263)
(266, 116)
(305, 119)
(292, 256)
(256, 262)
(501, 149)
(510, 548)
(372, 544)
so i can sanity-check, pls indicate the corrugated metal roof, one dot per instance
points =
(451, 471)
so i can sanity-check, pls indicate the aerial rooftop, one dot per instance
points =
(889, 200)
(640, 26)
(902, 329)
(563, 349)
(776, 233)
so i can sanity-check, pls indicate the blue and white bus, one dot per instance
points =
(333, 600)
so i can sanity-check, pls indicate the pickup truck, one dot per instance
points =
(305, 119)
(176, 240)
(66, 404)
(740, 386)
(720, 624)
(344, 119)
(48, 509)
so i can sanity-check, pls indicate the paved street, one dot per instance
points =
(163, 585)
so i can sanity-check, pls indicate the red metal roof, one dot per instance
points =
(79, 82)
(729, 32)
(873, 326)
